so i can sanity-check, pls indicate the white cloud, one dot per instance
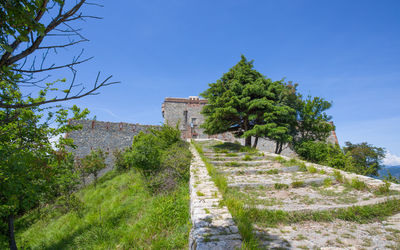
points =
(391, 160)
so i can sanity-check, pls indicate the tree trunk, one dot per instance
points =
(280, 148)
(11, 236)
(255, 142)
(247, 141)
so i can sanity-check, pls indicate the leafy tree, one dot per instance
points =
(28, 170)
(277, 119)
(93, 163)
(248, 104)
(367, 158)
(228, 101)
(313, 123)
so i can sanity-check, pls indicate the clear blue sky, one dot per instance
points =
(345, 51)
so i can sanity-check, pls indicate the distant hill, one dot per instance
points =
(394, 170)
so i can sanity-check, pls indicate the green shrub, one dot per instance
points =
(175, 168)
(338, 176)
(145, 153)
(280, 159)
(384, 188)
(247, 158)
(249, 150)
(327, 182)
(328, 154)
(312, 169)
(302, 167)
(177, 159)
(297, 184)
(232, 164)
(313, 151)
(272, 171)
(357, 184)
(120, 163)
(281, 186)
(167, 135)
(93, 163)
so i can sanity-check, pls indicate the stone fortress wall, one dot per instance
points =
(107, 136)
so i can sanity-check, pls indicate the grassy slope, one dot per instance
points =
(119, 213)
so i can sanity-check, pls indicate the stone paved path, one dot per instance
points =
(264, 182)
(212, 225)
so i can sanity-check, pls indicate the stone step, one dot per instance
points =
(216, 154)
(240, 163)
(267, 182)
(319, 207)
(234, 158)
(257, 170)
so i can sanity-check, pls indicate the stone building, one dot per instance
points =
(186, 113)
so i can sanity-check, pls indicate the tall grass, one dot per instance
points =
(119, 213)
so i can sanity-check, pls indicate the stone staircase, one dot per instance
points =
(266, 181)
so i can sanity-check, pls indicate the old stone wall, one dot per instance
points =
(107, 136)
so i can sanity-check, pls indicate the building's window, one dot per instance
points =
(193, 123)
(185, 115)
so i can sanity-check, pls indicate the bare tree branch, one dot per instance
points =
(53, 68)
(66, 98)
(62, 46)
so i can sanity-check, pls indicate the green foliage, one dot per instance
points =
(161, 156)
(280, 159)
(246, 103)
(175, 169)
(297, 184)
(361, 158)
(313, 122)
(31, 172)
(167, 135)
(357, 184)
(247, 158)
(119, 213)
(302, 167)
(226, 147)
(243, 221)
(313, 151)
(93, 163)
(249, 150)
(367, 158)
(120, 162)
(272, 171)
(359, 214)
(338, 176)
(384, 188)
(327, 182)
(392, 178)
(281, 186)
(232, 164)
(145, 153)
(312, 169)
